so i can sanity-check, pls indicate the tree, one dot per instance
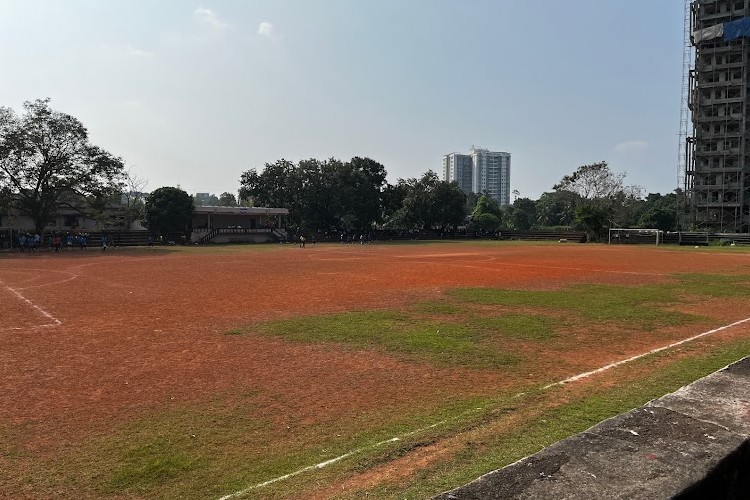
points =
(206, 200)
(363, 181)
(522, 214)
(133, 198)
(448, 205)
(471, 202)
(47, 163)
(595, 181)
(487, 215)
(169, 210)
(659, 212)
(593, 218)
(392, 199)
(557, 208)
(320, 195)
(604, 199)
(227, 200)
(429, 202)
(276, 186)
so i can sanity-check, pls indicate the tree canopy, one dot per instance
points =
(486, 215)
(333, 195)
(430, 203)
(324, 195)
(47, 163)
(599, 198)
(169, 210)
(227, 200)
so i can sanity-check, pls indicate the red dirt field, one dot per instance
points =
(93, 340)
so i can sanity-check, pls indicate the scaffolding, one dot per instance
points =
(685, 131)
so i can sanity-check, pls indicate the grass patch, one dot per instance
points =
(438, 307)
(437, 342)
(519, 326)
(149, 464)
(642, 308)
(716, 285)
(236, 331)
(465, 337)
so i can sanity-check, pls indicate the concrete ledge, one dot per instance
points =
(691, 444)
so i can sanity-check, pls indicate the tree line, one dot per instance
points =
(48, 164)
(332, 195)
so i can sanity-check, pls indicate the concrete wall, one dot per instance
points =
(691, 444)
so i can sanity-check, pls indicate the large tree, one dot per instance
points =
(320, 195)
(169, 210)
(605, 201)
(592, 182)
(522, 214)
(557, 208)
(487, 215)
(47, 163)
(430, 203)
(227, 200)
(659, 212)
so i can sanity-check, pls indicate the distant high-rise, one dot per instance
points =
(717, 170)
(459, 168)
(481, 171)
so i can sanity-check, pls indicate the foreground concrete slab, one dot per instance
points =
(693, 443)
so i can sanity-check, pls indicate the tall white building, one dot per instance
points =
(481, 171)
(459, 168)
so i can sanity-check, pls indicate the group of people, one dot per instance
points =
(349, 238)
(57, 240)
(28, 242)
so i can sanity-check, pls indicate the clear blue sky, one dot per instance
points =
(195, 93)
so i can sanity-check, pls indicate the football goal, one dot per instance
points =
(635, 236)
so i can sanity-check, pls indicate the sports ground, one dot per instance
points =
(383, 370)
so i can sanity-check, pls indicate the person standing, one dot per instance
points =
(104, 242)
(56, 242)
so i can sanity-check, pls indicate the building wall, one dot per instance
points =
(717, 177)
(458, 168)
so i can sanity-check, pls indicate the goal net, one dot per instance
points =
(620, 236)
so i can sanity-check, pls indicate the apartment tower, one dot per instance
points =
(481, 171)
(717, 166)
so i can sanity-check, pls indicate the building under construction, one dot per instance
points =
(717, 155)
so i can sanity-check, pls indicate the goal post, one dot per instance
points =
(635, 236)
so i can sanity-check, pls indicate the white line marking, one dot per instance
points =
(638, 356)
(328, 462)
(548, 386)
(55, 321)
(609, 271)
(49, 284)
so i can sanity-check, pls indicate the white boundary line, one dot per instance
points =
(548, 386)
(638, 356)
(55, 321)
(328, 462)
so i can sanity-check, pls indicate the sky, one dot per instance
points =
(193, 93)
